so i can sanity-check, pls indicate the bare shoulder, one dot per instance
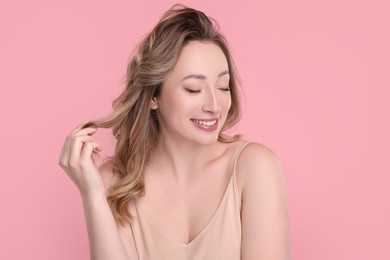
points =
(264, 208)
(109, 177)
(257, 165)
(253, 152)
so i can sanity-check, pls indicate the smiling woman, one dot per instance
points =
(201, 99)
(177, 187)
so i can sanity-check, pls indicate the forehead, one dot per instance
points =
(204, 58)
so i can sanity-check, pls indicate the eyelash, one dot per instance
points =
(198, 91)
(192, 91)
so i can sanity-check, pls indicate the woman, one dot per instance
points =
(177, 187)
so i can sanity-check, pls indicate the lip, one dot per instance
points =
(207, 128)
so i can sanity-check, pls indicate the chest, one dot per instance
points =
(182, 212)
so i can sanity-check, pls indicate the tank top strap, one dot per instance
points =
(238, 155)
(236, 190)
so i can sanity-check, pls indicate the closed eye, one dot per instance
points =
(225, 89)
(192, 91)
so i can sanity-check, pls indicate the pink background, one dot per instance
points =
(316, 89)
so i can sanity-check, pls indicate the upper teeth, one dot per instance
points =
(208, 123)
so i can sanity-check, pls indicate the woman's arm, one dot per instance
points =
(125, 232)
(265, 224)
(77, 160)
(104, 239)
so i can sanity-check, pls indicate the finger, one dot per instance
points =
(87, 151)
(97, 149)
(75, 147)
(85, 131)
(61, 158)
(77, 128)
(65, 153)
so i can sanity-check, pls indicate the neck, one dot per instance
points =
(182, 160)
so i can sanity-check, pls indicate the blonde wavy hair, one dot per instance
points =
(133, 123)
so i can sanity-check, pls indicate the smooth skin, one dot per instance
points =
(187, 160)
(77, 160)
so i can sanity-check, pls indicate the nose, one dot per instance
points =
(212, 104)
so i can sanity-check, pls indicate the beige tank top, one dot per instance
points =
(219, 239)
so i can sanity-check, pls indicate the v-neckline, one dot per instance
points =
(202, 231)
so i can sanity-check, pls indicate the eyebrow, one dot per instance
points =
(200, 76)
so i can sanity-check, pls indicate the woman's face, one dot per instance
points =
(195, 97)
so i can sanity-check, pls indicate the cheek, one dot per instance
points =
(227, 103)
(175, 105)
(180, 104)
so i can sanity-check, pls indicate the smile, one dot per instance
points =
(205, 123)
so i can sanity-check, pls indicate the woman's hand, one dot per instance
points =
(77, 160)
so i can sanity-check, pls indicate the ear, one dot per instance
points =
(153, 103)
